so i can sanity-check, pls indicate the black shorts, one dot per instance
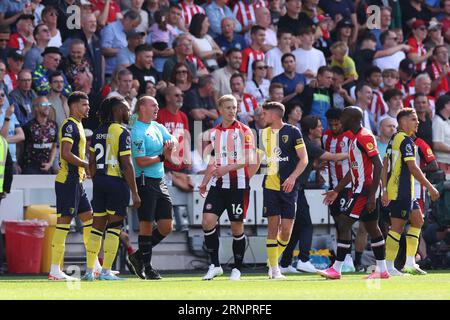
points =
(71, 199)
(235, 201)
(356, 208)
(280, 203)
(110, 195)
(338, 206)
(156, 203)
(401, 209)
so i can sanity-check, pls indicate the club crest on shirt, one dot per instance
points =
(408, 148)
(370, 146)
(285, 138)
(429, 152)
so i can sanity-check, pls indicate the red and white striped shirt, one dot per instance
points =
(188, 10)
(378, 106)
(407, 88)
(229, 145)
(248, 105)
(196, 61)
(420, 50)
(424, 156)
(337, 144)
(362, 148)
(248, 56)
(245, 13)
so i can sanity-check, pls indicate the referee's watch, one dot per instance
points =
(161, 158)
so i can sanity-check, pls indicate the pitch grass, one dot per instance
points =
(433, 286)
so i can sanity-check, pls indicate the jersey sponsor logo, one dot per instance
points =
(285, 138)
(139, 144)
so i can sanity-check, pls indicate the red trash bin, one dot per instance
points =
(24, 245)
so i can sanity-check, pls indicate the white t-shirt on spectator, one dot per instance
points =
(260, 93)
(205, 44)
(441, 133)
(390, 62)
(273, 60)
(55, 41)
(308, 59)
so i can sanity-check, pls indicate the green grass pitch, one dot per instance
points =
(435, 285)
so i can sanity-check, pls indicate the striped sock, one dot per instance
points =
(272, 252)
(110, 247)
(412, 242)
(392, 246)
(59, 243)
(93, 247)
(281, 245)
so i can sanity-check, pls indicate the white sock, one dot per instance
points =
(381, 264)
(390, 265)
(97, 265)
(106, 272)
(54, 269)
(348, 260)
(338, 266)
(410, 261)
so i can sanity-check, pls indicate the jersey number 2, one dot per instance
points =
(110, 160)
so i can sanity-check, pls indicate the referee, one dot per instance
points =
(151, 144)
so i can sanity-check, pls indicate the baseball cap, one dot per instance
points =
(51, 50)
(15, 54)
(134, 34)
(345, 23)
(407, 66)
(323, 17)
(418, 23)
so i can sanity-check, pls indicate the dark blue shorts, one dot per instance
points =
(401, 209)
(280, 203)
(111, 195)
(71, 199)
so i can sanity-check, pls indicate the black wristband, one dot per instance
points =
(7, 119)
(161, 158)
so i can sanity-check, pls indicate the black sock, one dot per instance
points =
(212, 245)
(358, 256)
(157, 237)
(344, 247)
(379, 248)
(145, 249)
(239, 243)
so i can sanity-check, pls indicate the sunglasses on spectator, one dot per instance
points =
(181, 71)
(45, 104)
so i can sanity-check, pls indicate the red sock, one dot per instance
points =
(130, 250)
(101, 261)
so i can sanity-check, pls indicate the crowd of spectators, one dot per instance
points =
(311, 55)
